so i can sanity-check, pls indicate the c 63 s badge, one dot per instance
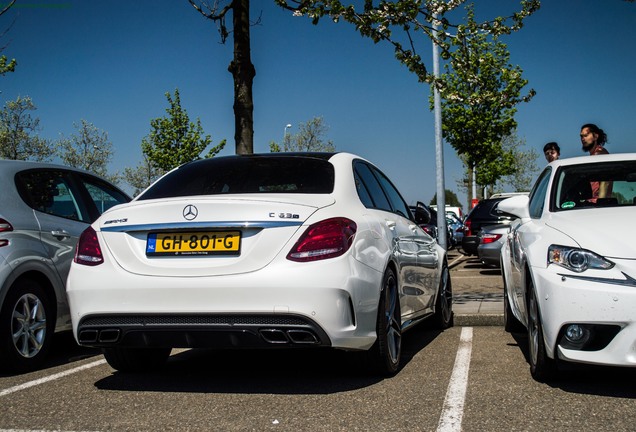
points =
(284, 215)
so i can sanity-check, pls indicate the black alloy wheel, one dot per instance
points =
(443, 317)
(385, 355)
(542, 368)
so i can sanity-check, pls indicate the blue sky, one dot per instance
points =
(111, 62)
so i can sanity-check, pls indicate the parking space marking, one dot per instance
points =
(453, 410)
(53, 377)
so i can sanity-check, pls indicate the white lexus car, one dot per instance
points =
(569, 264)
(275, 251)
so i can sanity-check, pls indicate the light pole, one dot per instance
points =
(439, 148)
(285, 131)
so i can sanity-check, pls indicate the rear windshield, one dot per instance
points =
(246, 175)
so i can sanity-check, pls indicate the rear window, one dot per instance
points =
(484, 209)
(246, 175)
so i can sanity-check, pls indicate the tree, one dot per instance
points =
(6, 65)
(175, 140)
(450, 199)
(400, 22)
(88, 149)
(241, 67)
(525, 166)
(521, 166)
(142, 176)
(308, 139)
(480, 91)
(18, 132)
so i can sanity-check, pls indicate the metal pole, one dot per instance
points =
(439, 148)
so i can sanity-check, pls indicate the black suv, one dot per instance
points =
(483, 214)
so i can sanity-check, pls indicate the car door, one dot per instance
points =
(410, 245)
(522, 233)
(64, 207)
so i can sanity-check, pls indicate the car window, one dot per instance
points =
(372, 185)
(363, 193)
(575, 185)
(538, 193)
(51, 191)
(103, 195)
(397, 203)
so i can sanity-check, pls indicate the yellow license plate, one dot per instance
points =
(194, 243)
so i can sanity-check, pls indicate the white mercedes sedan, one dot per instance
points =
(569, 264)
(276, 250)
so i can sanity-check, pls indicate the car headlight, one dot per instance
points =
(577, 259)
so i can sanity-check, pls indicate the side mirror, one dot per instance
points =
(516, 206)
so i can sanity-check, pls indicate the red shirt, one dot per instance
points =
(597, 150)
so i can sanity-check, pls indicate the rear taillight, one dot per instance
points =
(489, 238)
(467, 227)
(88, 251)
(326, 239)
(5, 226)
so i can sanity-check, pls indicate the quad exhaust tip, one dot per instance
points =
(277, 336)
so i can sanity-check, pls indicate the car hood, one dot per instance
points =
(599, 230)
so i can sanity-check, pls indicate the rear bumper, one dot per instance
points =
(197, 331)
(331, 303)
(470, 244)
(490, 254)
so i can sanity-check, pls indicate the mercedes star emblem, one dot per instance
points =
(190, 212)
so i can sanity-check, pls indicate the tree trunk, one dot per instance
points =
(243, 72)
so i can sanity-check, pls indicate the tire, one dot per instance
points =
(443, 317)
(385, 355)
(27, 323)
(511, 323)
(136, 360)
(542, 368)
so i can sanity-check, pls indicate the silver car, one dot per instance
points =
(44, 209)
(491, 238)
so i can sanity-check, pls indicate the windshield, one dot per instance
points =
(608, 184)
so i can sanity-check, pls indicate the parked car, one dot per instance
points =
(456, 228)
(455, 210)
(431, 227)
(278, 250)
(483, 214)
(569, 276)
(491, 238)
(44, 210)
(428, 218)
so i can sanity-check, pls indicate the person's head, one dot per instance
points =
(591, 135)
(552, 151)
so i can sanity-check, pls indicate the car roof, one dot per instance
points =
(14, 166)
(612, 157)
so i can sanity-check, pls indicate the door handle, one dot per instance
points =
(60, 234)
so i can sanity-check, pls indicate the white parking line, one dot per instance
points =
(33, 383)
(453, 410)
(459, 258)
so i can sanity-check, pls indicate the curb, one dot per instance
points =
(475, 320)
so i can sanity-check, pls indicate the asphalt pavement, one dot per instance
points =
(477, 291)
